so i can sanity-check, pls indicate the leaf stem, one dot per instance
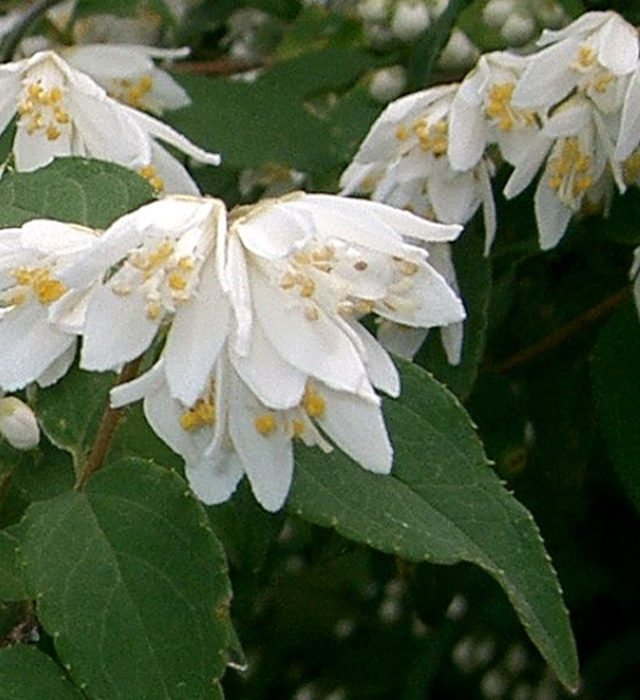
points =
(108, 425)
(21, 27)
(559, 336)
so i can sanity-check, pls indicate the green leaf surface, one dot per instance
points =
(28, 674)
(67, 427)
(267, 121)
(443, 504)
(616, 382)
(89, 192)
(132, 585)
(11, 582)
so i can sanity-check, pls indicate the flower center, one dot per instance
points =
(32, 282)
(150, 173)
(432, 138)
(499, 108)
(42, 111)
(132, 92)
(201, 414)
(569, 172)
(165, 277)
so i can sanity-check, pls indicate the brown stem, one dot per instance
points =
(108, 425)
(553, 340)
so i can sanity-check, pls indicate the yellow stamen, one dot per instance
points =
(313, 404)
(202, 413)
(266, 424)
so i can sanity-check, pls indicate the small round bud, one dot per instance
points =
(388, 83)
(373, 10)
(518, 30)
(410, 19)
(496, 12)
(18, 423)
(459, 52)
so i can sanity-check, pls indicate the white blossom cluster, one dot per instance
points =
(568, 112)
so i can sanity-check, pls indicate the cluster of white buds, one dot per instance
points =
(519, 21)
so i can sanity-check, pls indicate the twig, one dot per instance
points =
(108, 425)
(553, 340)
(21, 27)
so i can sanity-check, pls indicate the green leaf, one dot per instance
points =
(267, 121)
(28, 674)
(442, 504)
(132, 585)
(615, 365)
(89, 192)
(11, 580)
(64, 424)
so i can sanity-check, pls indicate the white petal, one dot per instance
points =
(214, 479)
(548, 77)
(551, 214)
(528, 166)
(382, 372)
(138, 388)
(117, 329)
(58, 368)
(274, 231)
(400, 340)
(357, 427)
(468, 133)
(197, 334)
(618, 46)
(267, 459)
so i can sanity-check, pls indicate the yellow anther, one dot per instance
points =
(148, 171)
(61, 116)
(266, 424)
(602, 83)
(48, 290)
(203, 412)
(586, 56)
(402, 133)
(298, 427)
(288, 281)
(408, 268)
(363, 306)
(154, 310)
(307, 287)
(313, 404)
(34, 91)
(186, 263)
(311, 313)
(157, 183)
(45, 288)
(177, 281)
(52, 132)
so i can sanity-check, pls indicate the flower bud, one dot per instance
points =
(18, 423)
(409, 20)
(496, 12)
(387, 84)
(518, 30)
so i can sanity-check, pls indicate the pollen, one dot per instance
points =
(45, 288)
(44, 111)
(202, 413)
(177, 281)
(52, 132)
(432, 138)
(298, 427)
(586, 56)
(313, 404)
(150, 174)
(266, 424)
(569, 172)
(402, 133)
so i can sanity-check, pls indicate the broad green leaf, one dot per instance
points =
(58, 406)
(132, 585)
(266, 121)
(442, 504)
(11, 580)
(616, 383)
(88, 192)
(28, 674)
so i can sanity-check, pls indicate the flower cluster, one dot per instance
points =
(258, 310)
(568, 112)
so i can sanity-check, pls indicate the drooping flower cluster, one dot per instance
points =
(567, 112)
(259, 310)
(62, 112)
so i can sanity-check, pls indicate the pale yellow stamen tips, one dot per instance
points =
(313, 404)
(202, 413)
(266, 424)
(569, 172)
(45, 288)
(150, 174)
(432, 138)
(44, 111)
(586, 57)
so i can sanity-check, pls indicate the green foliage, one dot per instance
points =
(88, 192)
(131, 585)
(29, 674)
(444, 505)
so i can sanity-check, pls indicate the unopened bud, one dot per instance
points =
(410, 19)
(496, 12)
(18, 423)
(518, 30)
(388, 83)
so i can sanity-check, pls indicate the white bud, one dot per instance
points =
(552, 15)
(373, 10)
(459, 52)
(388, 83)
(496, 12)
(518, 30)
(409, 20)
(18, 423)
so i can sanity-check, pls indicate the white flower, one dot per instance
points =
(403, 161)
(18, 424)
(40, 310)
(577, 144)
(128, 74)
(63, 112)
(594, 54)
(482, 113)
(267, 345)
